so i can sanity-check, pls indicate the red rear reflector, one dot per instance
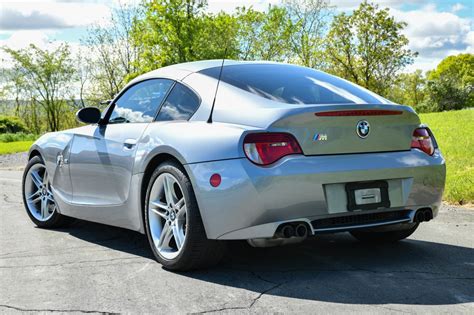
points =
(359, 112)
(422, 140)
(266, 148)
(215, 180)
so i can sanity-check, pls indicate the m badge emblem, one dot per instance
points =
(363, 129)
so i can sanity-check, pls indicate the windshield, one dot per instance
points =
(294, 85)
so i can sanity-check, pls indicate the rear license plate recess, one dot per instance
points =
(367, 195)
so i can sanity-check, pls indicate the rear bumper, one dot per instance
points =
(253, 201)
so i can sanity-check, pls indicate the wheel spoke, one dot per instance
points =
(50, 197)
(34, 197)
(36, 179)
(158, 204)
(165, 237)
(159, 208)
(45, 178)
(179, 204)
(178, 238)
(181, 215)
(158, 212)
(44, 208)
(168, 186)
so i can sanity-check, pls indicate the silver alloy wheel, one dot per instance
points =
(167, 215)
(38, 194)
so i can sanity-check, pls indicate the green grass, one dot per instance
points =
(454, 132)
(20, 136)
(14, 147)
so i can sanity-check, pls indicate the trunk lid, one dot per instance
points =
(334, 129)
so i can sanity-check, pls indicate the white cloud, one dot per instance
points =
(457, 7)
(51, 15)
(435, 34)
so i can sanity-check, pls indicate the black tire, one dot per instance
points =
(197, 251)
(57, 220)
(374, 236)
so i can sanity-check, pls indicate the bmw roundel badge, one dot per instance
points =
(363, 129)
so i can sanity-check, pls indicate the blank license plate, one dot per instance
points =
(367, 196)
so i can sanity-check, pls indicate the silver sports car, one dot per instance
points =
(199, 153)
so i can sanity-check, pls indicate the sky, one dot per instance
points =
(436, 29)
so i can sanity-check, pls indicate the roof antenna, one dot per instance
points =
(217, 88)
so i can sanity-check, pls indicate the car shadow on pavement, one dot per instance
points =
(331, 268)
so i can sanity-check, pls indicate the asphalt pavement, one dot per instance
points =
(93, 268)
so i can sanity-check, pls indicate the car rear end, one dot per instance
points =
(320, 168)
(291, 175)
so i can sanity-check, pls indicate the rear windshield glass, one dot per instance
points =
(293, 84)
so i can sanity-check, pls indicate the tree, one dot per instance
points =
(115, 55)
(264, 36)
(368, 47)
(451, 84)
(168, 32)
(48, 77)
(217, 37)
(409, 89)
(310, 19)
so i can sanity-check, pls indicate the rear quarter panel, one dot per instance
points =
(190, 142)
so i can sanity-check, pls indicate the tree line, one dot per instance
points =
(366, 47)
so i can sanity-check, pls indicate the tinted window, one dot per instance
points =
(140, 102)
(294, 85)
(180, 104)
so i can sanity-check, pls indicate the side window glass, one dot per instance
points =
(180, 104)
(140, 102)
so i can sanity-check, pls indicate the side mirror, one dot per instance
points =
(88, 115)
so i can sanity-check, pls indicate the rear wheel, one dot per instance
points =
(173, 222)
(38, 197)
(382, 235)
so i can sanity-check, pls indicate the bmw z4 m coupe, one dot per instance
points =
(199, 153)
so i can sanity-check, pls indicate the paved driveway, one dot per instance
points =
(95, 268)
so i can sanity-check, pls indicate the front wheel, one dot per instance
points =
(38, 197)
(173, 222)
(382, 235)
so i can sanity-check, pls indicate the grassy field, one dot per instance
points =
(13, 147)
(454, 132)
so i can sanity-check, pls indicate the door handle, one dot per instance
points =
(129, 143)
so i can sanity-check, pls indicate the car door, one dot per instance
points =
(102, 156)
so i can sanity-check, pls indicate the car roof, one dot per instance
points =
(181, 70)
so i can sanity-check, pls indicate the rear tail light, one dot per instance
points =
(266, 148)
(422, 140)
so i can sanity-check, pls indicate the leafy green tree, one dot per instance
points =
(217, 37)
(368, 47)
(310, 19)
(409, 89)
(48, 76)
(451, 84)
(169, 32)
(264, 36)
(276, 33)
(175, 31)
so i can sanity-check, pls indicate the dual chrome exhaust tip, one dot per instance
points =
(289, 230)
(423, 215)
